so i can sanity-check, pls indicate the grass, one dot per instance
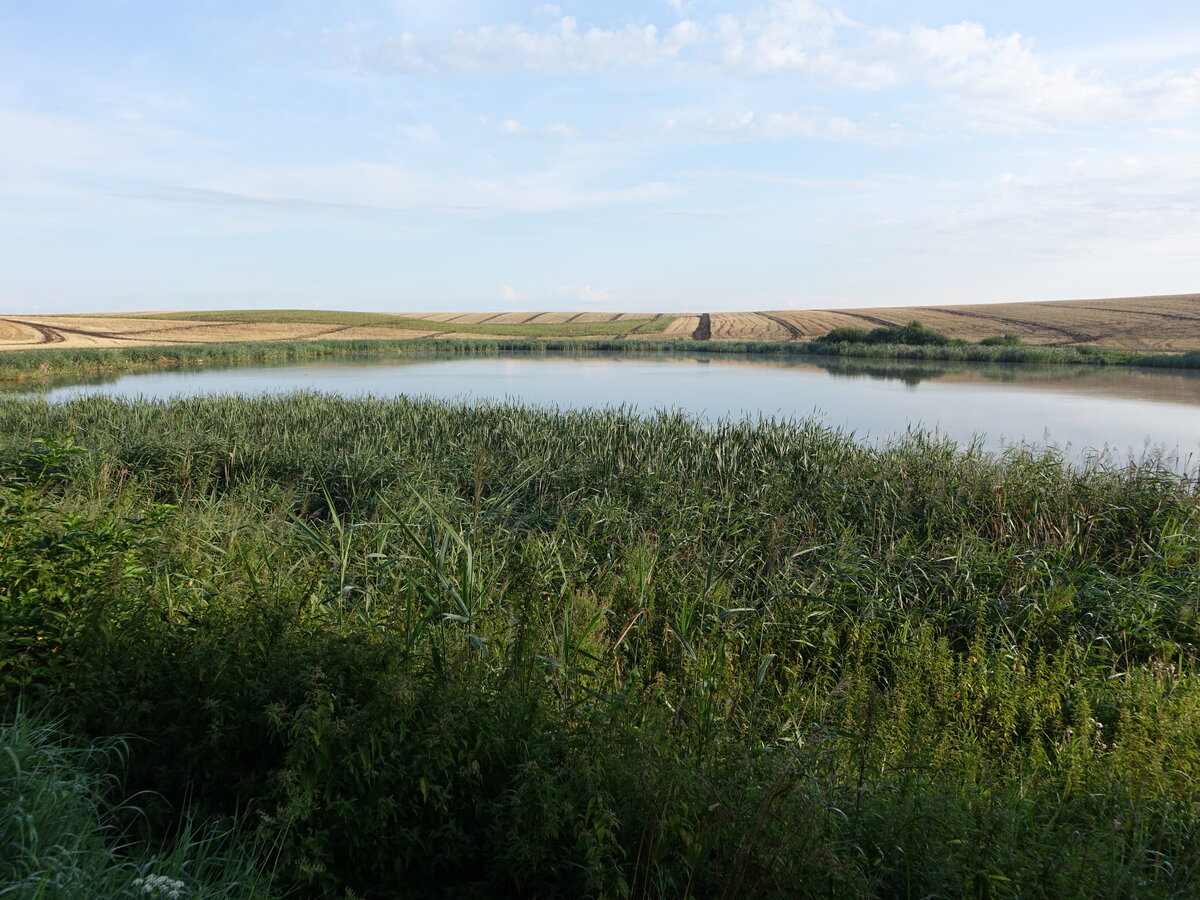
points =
(647, 325)
(33, 365)
(64, 837)
(482, 650)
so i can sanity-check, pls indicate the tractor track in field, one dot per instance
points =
(637, 329)
(1074, 337)
(53, 334)
(874, 320)
(56, 334)
(1176, 317)
(48, 334)
(794, 333)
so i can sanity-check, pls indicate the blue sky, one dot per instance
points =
(663, 155)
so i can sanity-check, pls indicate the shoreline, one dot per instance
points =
(34, 365)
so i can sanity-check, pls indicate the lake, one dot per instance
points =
(1122, 413)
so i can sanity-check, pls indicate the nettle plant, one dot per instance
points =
(66, 579)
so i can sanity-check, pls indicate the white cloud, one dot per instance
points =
(421, 134)
(998, 79)
(729, 125)
(509, 294)
(1002, 77)
(583, 293)
(559, 129)
(555, 130)
(383, 187)
(564, 46)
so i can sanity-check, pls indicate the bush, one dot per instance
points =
(1002, 340)
(912, 334)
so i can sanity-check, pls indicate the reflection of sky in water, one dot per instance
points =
(1084, 413)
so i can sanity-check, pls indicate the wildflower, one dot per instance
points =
(1163, 670)
(161, 886)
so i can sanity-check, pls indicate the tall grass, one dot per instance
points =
(483, 650)
(47, 364)
(64, 837)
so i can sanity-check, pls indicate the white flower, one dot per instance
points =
(161, 886)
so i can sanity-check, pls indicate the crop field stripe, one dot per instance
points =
(1124, 311)
(79, 331)
(1008, 320)
(794, 333)
(49, 335)
(338, 330)
(703, 330)
(185, 327)
(874, 320)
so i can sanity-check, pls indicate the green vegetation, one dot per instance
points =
(1002, 340)
(647, 325)
(914, 334)
(65, 838)
(45, 365)
(437, 650)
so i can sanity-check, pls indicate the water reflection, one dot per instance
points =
(1084, 410)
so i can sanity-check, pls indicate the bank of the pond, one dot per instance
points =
(32, 365)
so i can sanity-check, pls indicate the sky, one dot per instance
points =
(664, 155)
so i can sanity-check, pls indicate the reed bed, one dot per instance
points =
(34, 365)
(436, 649)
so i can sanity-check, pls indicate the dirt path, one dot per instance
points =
(703, 331)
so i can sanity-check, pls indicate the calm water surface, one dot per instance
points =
(1083, 410)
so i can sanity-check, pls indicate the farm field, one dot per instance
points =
(192, 328)
(1143, 324)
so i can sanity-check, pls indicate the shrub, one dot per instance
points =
(912, 334)
(1002, 340)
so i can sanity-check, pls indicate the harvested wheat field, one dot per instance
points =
(1167, 323)
(1131, 323)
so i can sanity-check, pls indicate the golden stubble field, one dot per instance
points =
(1163, 323)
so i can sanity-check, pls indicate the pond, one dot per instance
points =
(1119, 412)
